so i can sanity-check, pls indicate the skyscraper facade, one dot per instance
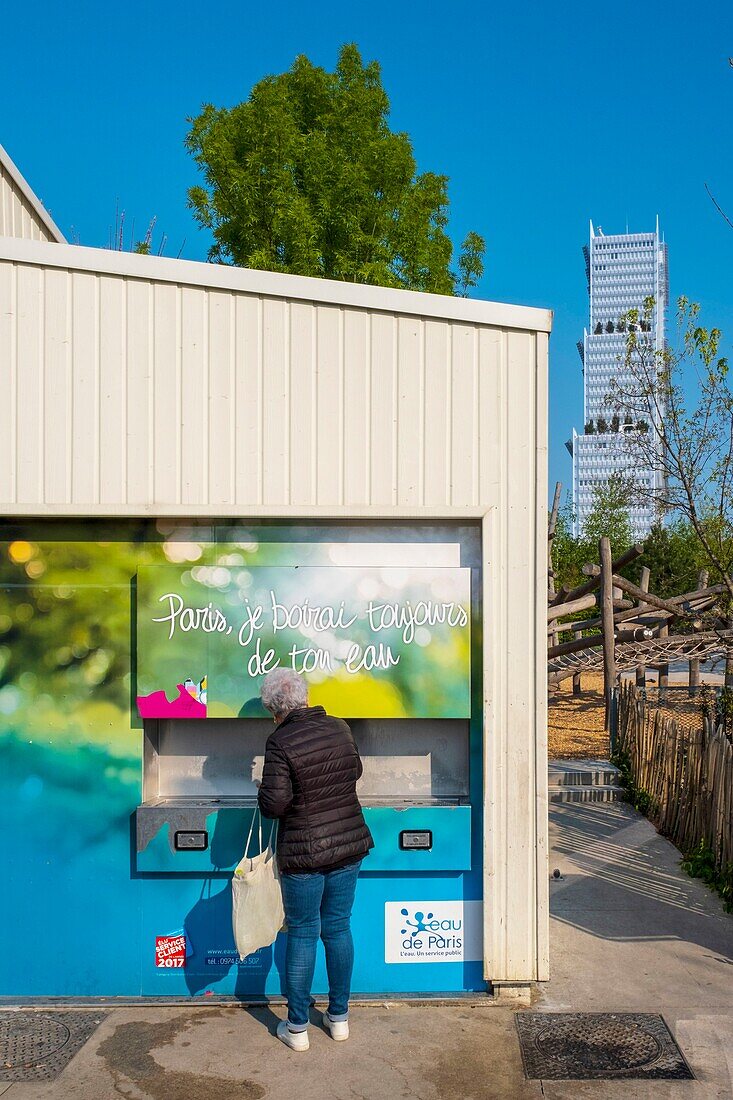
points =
(621, 270)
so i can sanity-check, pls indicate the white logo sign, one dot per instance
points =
(433, 931)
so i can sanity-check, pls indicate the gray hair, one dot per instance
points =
(283, 690)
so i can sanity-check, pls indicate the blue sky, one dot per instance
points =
(543, 115)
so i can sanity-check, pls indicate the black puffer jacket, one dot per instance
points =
(309, 782)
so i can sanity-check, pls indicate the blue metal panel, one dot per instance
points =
(228, 827)
(202, 908)
(451, 829)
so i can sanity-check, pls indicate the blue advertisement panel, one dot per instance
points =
(126, 912)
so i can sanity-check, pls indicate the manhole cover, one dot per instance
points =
(36, 1046)
(579, 1046)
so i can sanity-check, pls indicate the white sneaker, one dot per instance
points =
(296, 1040)
(338, 1029)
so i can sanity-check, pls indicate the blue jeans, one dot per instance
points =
(318, 904)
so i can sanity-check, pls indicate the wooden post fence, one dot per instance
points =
(686, 774)
(609, 641)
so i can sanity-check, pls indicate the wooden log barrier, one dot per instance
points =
(693, 685)
(550, 536)
(577, 684)
(556, 611)
(644, 586)
(590, 586)
(634, 634)
(663, 673)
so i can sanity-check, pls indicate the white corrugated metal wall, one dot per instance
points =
(21, 213)
(136, 385)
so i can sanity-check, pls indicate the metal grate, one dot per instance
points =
(36, 1046)
(587, 1046)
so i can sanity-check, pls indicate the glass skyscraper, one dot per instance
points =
(622, 270)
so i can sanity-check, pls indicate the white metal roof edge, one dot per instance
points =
(30, 196)
(273, 284)
(242, 512)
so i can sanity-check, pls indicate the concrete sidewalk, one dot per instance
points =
(630, 932)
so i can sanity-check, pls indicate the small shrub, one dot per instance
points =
(717, 706)
(644, 803)
(707, 701)
(640, 799)
(700, 863)
(725, 710)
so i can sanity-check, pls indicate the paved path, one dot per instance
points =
(629, 933)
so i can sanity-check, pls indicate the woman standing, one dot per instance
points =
(309, 780)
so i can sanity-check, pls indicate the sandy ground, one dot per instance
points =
(575, 722)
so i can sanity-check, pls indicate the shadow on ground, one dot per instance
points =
(622, 881)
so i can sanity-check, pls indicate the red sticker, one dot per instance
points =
(170, 951)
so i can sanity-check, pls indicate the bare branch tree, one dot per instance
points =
(687, 445)
(718, 207)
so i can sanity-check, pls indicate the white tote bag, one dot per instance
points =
(257, 902)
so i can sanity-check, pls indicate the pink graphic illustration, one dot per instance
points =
(190, 703)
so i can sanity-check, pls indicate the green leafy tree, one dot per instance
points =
(673, 555)
(565, 551)
(307, 177)
(609, 515)
(470, 262)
